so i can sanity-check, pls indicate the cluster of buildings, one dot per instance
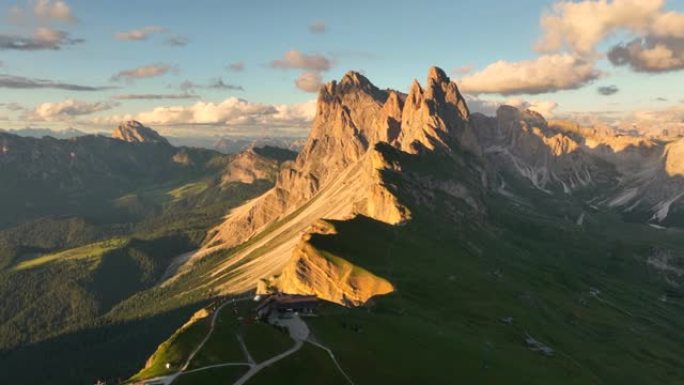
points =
(284, 305)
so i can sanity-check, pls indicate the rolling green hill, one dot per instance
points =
(84, 233)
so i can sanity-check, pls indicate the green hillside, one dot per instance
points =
(103, 232)
(517, 293)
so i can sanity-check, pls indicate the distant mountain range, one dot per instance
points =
(89, 221)
(41, 132)
(224, 145)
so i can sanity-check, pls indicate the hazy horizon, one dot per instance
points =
(254, 69)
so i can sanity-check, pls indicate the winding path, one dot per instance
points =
(258, 367)
(206, 338)
(334, 360)
(297, 329)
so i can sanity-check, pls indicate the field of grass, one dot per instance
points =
(456, 291)
(221, 375)
(80, 250)
(175, 350)
(223, 345)
(187, 190)
(93, 251)
(264, 341)
(309, 365)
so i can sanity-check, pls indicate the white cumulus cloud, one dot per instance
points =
(581, 26)
(139, 34)
(294, 59)
(53, 10)
(43, 38)
(229, 112)
(548, 73)
(147, 71)
(650, 54)
(42, 11)
(318, 26)
(309, 81)
(65, 110)
(488, 107)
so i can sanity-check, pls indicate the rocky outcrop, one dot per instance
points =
(337, 175)
(311, 271)
(352, 116)
(674, 158)
(248, 167)
(362, 134)
(134, 132)
(523, 143)
(435, 116)
(632, 174)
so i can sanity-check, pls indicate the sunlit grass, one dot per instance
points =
(91, 251)
(189, 189)
(175, 350)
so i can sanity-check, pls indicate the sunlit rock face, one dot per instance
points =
(310, 271)
(352, 116)
(342, 170)
(248, 167)
(674, 158)
(338, 175)
(627, 173)
(134, 132)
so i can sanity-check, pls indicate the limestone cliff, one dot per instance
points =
(352, 116)
(311, 271)
(135, 132)
(625, 172)
(674, 158)
(248, 167)
(337, 175)
(358, 134)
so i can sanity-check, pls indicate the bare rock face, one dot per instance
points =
(352, 116)
(357, 136)
(435, 116)
(628, 173)
(337, 175)
(248, 167)
(674, 158)
(327, 276)
(522, 142)
(134, 132)
(342, 168)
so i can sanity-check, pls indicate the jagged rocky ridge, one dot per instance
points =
(641, 177)
(340, 174)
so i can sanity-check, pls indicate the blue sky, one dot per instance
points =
(391, 42)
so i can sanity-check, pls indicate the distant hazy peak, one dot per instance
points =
(135, 132)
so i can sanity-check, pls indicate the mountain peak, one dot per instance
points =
(353, 117)
(506, 113)
(133, 131)
(437, 73)
(355, 78)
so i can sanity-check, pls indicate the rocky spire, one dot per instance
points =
(134, 132)
(339, 174)
(352, 116)
(435, 116)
